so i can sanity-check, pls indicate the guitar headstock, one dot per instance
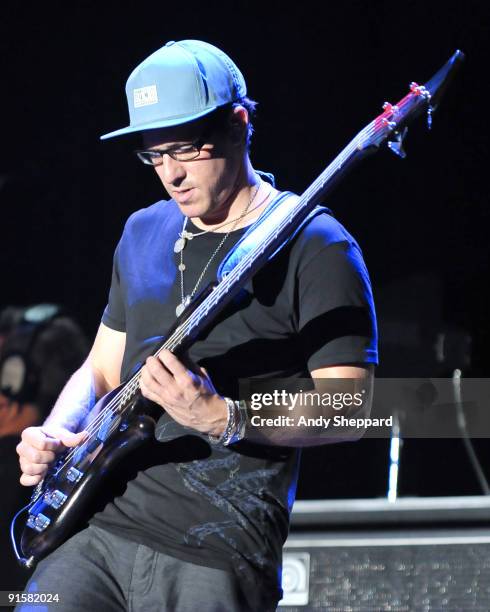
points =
(392, 123)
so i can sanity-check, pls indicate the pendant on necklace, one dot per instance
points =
(183, 305)
(179, 245)
(182, 241)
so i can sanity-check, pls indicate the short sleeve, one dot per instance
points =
(114, 315)
(336, 316)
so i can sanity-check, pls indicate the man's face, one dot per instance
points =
(203, 187)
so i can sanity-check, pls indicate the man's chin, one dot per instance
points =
(191, 210)
(200, 210)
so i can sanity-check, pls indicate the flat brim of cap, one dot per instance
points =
(154, 125)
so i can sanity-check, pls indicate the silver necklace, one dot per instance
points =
(181, 243)
(185, 236)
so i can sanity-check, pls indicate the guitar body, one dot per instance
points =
(60, 502)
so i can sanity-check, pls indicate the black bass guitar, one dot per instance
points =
(118, 423)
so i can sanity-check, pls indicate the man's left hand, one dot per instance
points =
(189, 398)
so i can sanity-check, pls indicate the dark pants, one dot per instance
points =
(96, 570)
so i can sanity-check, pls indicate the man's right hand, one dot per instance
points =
(38, 449)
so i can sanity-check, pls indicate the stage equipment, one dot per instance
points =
(429, 554)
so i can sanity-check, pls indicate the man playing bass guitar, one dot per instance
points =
(201, 519)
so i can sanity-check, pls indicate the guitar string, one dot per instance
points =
(133, 384)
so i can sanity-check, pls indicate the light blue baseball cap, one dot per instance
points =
(180, 82)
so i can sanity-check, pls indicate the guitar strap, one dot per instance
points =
(279, 209)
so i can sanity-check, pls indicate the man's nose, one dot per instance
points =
(171, 170)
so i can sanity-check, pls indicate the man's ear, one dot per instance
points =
(239, 124)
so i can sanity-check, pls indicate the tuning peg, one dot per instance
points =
(389, 124)
(391, 108)
(396, 145)
(419, 90)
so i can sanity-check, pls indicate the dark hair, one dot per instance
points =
(219, 118)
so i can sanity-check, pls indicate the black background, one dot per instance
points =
(320, 72)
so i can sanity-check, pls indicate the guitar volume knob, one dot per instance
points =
(74, 475)
(39, 522)
(55, 499)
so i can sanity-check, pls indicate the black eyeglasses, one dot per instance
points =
(186, 152)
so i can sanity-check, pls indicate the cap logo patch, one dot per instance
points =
(145, 96)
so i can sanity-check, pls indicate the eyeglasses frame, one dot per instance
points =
(195, 144)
